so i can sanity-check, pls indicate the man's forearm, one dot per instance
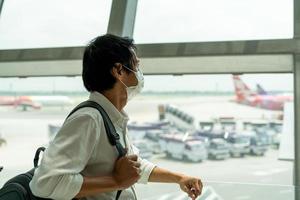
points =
(96, 185)
(164, 176)
(191, 185)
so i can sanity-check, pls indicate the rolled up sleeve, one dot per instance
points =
(58, 176)
(146, 166)
(146, 169)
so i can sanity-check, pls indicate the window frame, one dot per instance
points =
(48, 61)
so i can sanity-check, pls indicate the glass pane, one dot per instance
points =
(56, 23)
(217, 131)
(212, 20)
(242, 138)
(30, 109)
(221, 191)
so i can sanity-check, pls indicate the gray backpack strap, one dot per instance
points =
(113, 136)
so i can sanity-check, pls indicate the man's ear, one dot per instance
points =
(116, 70)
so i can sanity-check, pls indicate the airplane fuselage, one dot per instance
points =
(269, 102)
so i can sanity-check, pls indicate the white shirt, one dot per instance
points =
(81, 148)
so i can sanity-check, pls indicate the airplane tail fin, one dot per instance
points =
(260, 90)
(241, 89)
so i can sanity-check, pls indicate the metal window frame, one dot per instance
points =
(200, 57)
(1, 5)
(296, 72)
(122, 17)
(48, 61)
(297, 125)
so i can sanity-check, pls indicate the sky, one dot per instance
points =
(52, 23)
(56, 23)
(212, 20)
(59, 23)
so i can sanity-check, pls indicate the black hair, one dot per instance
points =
(100, 57)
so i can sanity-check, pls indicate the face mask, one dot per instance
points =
(132, 91)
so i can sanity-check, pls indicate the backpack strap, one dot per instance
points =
(113, 136)
(37, 156)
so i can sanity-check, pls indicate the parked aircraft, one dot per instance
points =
(266, 101)
(35, 102)
(260, 90)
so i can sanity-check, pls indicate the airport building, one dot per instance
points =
(221, 95)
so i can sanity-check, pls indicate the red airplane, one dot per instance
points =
(266, 101)
(21, 101)
(35, 102)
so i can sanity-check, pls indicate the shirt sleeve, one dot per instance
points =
(58, 176)
(146, 167)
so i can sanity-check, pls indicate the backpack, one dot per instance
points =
(17, 188)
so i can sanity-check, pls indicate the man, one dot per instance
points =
(80, 162)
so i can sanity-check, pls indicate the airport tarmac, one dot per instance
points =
(26, 131)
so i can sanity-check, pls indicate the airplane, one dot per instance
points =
(35, 102)
(265, 101)
(260, 90)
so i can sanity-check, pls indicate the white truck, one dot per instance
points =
(183, 148)
(218, 149)
(239, 144)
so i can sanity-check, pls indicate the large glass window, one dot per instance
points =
(212, 20)
(243, 144)
(56, 23)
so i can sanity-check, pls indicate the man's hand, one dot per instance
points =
(127, 171)
(192, 186)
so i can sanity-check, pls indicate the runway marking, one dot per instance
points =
(269, 172)
(243, 197)
(287, 191)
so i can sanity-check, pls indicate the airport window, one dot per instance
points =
(251, 154)
(212, 20)
(56, 23)
(253, 151)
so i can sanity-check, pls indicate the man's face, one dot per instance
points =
(130, 76)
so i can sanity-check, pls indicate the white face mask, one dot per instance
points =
(132, 91)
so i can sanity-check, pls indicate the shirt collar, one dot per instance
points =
(118, 118)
